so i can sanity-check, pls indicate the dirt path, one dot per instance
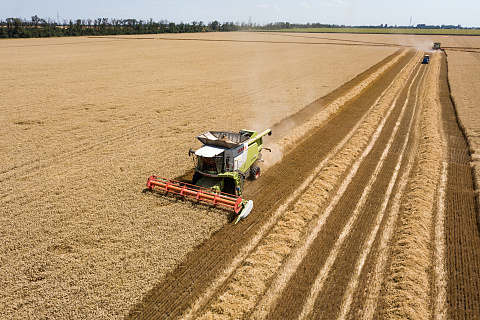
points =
(361, 219)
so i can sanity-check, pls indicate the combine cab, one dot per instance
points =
(437, 46)
(222, 164)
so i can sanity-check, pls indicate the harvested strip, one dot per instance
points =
(271, 252)
(348, 297)
(381, 261)
(440, 275)
(408, 285)
(323, 274)
(292, 263)
(209, 261)
(207, 295)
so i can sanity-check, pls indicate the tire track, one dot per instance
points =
(451, 242)
(329, 38)
(353, 43)
(321, 278)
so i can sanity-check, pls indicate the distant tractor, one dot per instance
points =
(437, 46)
(426, 59)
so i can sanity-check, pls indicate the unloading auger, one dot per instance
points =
(222, 164)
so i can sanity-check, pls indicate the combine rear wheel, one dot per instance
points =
(254, 172)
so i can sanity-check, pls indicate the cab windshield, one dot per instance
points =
(210, 165)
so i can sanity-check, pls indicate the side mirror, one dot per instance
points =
(190, 152)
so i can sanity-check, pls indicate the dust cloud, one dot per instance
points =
(420, 44)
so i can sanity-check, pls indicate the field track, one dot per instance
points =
(333, 257)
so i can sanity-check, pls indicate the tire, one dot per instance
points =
(229, 186)
(254, 172)
(239, 192)
(196, 176)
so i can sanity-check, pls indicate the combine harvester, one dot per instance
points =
(222, 164)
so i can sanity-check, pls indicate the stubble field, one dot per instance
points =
(464, 68)
(86, 120)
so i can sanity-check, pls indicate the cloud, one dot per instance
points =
(305, 5)
(335, 3)
(268, 6)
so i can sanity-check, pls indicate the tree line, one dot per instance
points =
(288, 25)
(42, 28)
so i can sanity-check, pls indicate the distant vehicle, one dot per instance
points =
(437, 46)
(426, 59)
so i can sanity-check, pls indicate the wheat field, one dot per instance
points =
(85, 121)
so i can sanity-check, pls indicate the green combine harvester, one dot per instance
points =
(222, 164)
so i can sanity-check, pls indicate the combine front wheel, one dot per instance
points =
(196, 176)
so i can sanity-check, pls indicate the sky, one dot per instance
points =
(340, 12)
